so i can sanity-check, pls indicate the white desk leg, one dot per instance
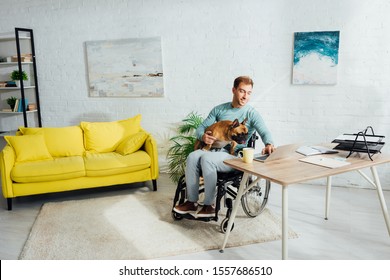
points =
(381, 197)
(327, 201)
(236, 204)
(284, 223)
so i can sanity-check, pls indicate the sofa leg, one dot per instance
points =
(154, 185)
(9, 204)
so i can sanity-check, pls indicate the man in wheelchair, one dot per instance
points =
(210, 163)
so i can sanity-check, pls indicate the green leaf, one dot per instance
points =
(182, 145)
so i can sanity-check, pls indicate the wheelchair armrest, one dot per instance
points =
(252, 140)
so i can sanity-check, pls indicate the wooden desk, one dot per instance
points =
(292, 171)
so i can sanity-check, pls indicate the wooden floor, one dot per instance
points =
(356, 229)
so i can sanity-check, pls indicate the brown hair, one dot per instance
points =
(242, 79)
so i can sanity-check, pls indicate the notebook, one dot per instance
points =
(281, 152)
(325, 161)
(315, 150)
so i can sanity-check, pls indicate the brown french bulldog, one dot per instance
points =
(226, 132)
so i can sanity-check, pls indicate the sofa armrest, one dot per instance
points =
(7, 161)
(150, 147)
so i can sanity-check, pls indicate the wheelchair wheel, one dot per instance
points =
(176, 216)
(224, 225)
(254, 201)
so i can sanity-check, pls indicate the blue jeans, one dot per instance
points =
(209, 162)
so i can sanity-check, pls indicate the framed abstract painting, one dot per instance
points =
(125, 68)
(316, 56)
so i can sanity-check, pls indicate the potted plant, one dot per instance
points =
(182, 145)
(11, 102)
(16, 77)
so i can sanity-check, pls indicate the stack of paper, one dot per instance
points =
(352, 137)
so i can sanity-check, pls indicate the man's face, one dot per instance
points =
(241, 95)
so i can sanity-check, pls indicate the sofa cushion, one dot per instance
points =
(29, 147)
(60, 141)
(49, 170)
(132, 143)
(104, 164)
(103, 137)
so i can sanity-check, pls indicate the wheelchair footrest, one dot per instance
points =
(203, 219)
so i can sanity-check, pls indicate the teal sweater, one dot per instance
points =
(225, 111)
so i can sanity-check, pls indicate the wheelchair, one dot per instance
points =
(253, 202)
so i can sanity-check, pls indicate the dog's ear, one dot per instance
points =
(244, 121)
(235, 124)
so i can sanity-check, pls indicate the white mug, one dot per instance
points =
(247, 154)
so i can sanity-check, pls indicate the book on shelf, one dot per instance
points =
(20, 106)
(24, 57)
(16, 106)
(10, 84)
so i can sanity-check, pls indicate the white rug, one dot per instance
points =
(136, 226)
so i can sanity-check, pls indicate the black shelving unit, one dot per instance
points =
(22, 89)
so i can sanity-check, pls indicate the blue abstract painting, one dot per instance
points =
(316, 56)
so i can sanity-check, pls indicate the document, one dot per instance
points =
(352, 137)
(325, 161)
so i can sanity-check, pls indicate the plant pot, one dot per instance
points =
(25, 83)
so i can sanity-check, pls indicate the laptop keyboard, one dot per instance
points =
(261, 156)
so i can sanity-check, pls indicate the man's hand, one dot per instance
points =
(207, 138)
(268, 149)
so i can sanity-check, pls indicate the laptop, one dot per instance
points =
(281, 152)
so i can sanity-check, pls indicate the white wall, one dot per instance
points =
(206, 44)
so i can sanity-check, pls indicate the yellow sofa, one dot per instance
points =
(92, 154)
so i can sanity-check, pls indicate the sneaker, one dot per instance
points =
(206, 211)
(186, 208)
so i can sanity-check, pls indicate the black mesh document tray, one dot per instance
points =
(361, 142)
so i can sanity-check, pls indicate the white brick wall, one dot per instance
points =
(206, 44)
